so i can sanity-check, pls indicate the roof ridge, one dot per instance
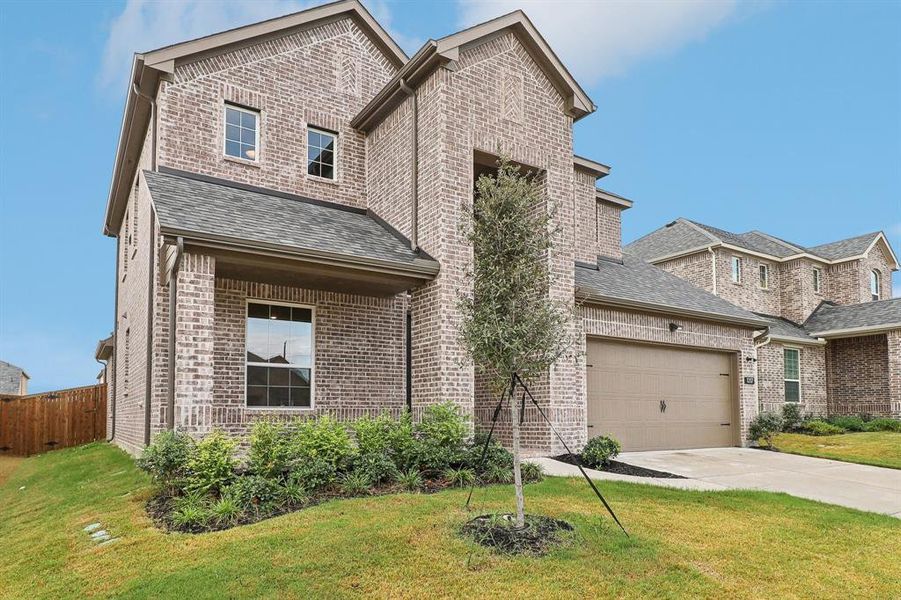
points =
(702, 228)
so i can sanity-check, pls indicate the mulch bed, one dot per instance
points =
(499, 532)
(620, 468)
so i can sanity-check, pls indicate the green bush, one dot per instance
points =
(853, 423)
(226, 511)
(355, 483)
(254, 493)
(314, 475)
(462, 477)
(497, 474)
(818, 427)
(764, 427)
(386, 436)
(531, 472)
(190, 512)
(496, 455)
(440, 438)
(410, 480)
(294, 494)
(599, 451)
(322, 438)
(212, 464)
(884, 425)
(166, 458)
(792, 418)
(378, 468)
(268, 456)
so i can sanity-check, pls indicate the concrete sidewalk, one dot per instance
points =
(862, 487)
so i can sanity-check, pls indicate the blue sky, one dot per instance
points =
(781, 116)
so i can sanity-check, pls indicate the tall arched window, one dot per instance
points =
(875, 277)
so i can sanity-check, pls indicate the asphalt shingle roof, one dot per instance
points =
(784, 328)
(636, 282)
(831, 317)
(683, 235)
(190, 205)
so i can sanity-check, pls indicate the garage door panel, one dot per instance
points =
(628, 381)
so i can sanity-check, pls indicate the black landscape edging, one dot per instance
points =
(619, 468)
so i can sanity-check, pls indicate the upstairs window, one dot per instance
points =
(321, 153)
(736, 269)
(817, 280)
(279, 355)
(875, 281)
(764, 277)
(242, 132)
(792, 367)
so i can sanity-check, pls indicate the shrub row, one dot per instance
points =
(203, 485)
(767, 424)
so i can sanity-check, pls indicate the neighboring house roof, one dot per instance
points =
(436, 53)
(780, 329)
(684, 236)
(105, 347)
(207, 209)
(11, 378)
(833, 320)
(149, 68)
(638, 285)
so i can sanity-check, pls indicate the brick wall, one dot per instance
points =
(748, 294)
(695, 268)
(608, 224)
(771, 374)
(893, 343)
(597, 225)
(857, 372)
(318, 77)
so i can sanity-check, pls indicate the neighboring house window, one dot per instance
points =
(736, 269)
(875, 282)
(242, 132)
(817, 280)
(279, 355)
(764, 277)
(321, 153)
(792, 360)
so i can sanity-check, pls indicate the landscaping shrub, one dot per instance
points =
(212, 464)
(599, 451)
(226, 511)
(461, 477)
(764, 427)
(294, 494)
(531, 472)
(497, 474)
(314, 474)
(440, 438)
(190, 512)
(410, 480)
(166, 458)
(268, 456)
(384, 435)
(883, 425)
(355, 483)
(495, 455)
(377, 468)
(254, 493)
(853, 423)
(792, 419)
(819, 427)
(324, 438)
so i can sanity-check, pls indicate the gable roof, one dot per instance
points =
(684, 236)
(783, 330)
(435, 53)
(206, 209)
(833, 320)
(635, 284)
(148, 68)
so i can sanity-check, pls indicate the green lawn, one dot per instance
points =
(683, 544)
(879, 448)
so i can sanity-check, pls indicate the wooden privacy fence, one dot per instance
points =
(40, 422)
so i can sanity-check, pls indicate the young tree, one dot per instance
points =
(510, 323)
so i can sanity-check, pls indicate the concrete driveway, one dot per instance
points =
(874, 489)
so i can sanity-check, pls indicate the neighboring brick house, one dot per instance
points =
(287, 200)
(13, 380)
(834, 339)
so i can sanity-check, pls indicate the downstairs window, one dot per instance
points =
(792, 361)
(279, 356)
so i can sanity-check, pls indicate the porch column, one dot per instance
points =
(894, 372)
(194, 344)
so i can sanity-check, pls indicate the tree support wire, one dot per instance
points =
(515, 380)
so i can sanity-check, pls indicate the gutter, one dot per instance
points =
(113, 382)
(857, 331)
(414, 167)
(153, 119)
(173, 317)
(666, 309)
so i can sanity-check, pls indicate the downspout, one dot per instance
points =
(153, 112)
(173, 289)
(757, 347)
(148, 373)
(713, 262)
(414, 168)
(111, 386)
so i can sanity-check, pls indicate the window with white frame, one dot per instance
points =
(764, 277)
(792, 368)
(875, 281)
(279, 355)
(321, 150)
(817, 280)
(242, 132)
(736, 269)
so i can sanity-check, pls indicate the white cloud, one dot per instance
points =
(598, 39)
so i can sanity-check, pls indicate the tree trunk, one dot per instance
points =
(517, 473)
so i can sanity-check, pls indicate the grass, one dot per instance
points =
(878, 448)
(684, 544)
(8, 464)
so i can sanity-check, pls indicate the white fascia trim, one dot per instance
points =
(888, 247)
(857, 331)
(786, 339)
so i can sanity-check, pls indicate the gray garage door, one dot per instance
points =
(660, 398)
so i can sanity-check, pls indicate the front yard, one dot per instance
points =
(878, 448)
(683, 544)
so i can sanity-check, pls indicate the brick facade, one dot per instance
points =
(857, 373)
(771, 374)
(696, 268)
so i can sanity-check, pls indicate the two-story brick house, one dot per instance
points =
(834, 340)
(287, 200)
